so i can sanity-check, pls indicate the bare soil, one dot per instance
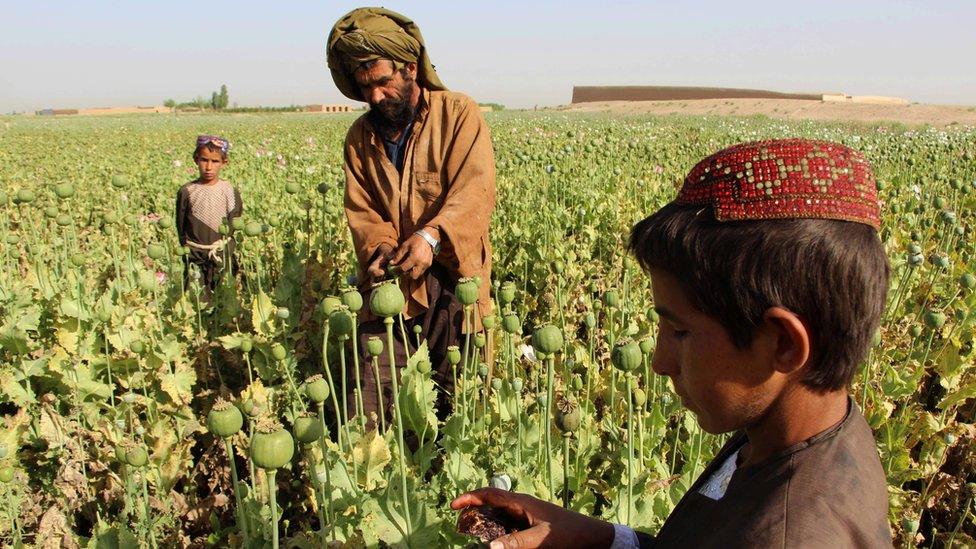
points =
(792, 109)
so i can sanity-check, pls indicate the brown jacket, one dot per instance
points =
(828, 491)
(448, 182)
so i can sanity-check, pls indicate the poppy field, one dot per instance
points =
(123, 393)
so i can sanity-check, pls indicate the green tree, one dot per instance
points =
(222, 98)
(169, 103)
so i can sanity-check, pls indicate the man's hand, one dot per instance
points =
(381, 257)
(413, 257)
(549, 525)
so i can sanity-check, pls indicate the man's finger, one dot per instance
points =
(467, 499)
(526, 539)
(399, 254)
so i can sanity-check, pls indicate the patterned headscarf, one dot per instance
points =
(368, 34)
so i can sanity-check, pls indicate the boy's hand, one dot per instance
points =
(549, 525)
(381, 257)
(413, 257)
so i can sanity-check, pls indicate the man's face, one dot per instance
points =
(727, 388)
(388, 91)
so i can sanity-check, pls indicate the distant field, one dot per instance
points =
(793, 109)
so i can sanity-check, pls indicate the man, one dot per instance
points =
(420, 183)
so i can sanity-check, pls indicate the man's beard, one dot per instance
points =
(391, 116)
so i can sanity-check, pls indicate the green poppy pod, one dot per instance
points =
(423, 366)
(467, 291)
(322, 188)
(939, 202)
(483, 370)
(374, 346)
(78, 260)
(165, 223)
(626, 356)
(386, 301)
(25, 196)
(282, 313)
(453, 355)
(251, 408)
(480, 340)
(137, 456)
(567, 415)
(511, 324)
(914, 248)
(6, 474)
(224, 230)
(120, 453)
(417, 329)
(547, 339)
(278, 351)
(111, 218)
(910, 525)
(246, 345)
(184, 250)
(589, 319)
(541, 399)
(639, 396)
(341, 322)
(119, 181)
(612, 299)
(934, 319)
(50, 212)
(496, 384)
(155, 251)
(252, 228)
(272, 447)
(517, 385)
(13, 239)
(292, 187)
(237, 224)
(64, 220)
(646, 345)
(137, 347)
(224, 419)
(317, 389)
(330, 304)
(307, 429)
(506, 294)
(915, 330)
(577, 382)
(353, 299)
(558, 267)
(968, 281)
(489, 321)
(64, 190)
(146, 281)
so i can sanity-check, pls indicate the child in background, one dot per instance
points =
(202, 206)
(769, 278)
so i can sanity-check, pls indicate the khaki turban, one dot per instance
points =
(368, 34)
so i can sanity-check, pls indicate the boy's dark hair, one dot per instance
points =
(210, 147)
(833, 274)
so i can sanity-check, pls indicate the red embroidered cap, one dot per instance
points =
(785, 179)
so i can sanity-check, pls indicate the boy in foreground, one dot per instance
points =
(769, 278)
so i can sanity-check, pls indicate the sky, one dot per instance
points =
(63, 54)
